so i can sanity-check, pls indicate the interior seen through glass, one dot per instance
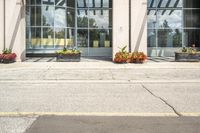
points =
(82, 24)
(173, 23)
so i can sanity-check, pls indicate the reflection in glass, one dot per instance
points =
(60, 17)
(59, 37)
(28, 40)
(60, 3)
(48, 38)
(48, 2)
(100, 18)
(151, 37)
(95, 3)
(70, 33)
(48, 15)
(192, 18)
(151, 19)
(82, 38)
(169, 38)
(27, 2)
(152, 3)
(35, 37)
(169, 19)
(70, 17)
(192, 36)
(35, 16)
(28, 15)
(100, 38)
(169, 3)
(56, 26)
(71, 3)
(82, 3)
(33, 2)
(82, 18)
(191, 3)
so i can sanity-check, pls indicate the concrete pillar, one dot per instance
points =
(1, 25)
(139, 25)
(120, 25)
(15, 27)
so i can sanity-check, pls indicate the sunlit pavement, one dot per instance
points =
(100, 96)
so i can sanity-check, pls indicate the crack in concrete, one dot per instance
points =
(163, 100)
(42, 76)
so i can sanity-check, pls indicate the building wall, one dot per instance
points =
(139, 25)
(1, 25)
(120, 24)
(15, 27)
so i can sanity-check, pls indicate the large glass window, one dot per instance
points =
(35, 17)
(191, 3)
(82, 18)
(85, 24)
(94, 23)
(48, 15)
(192, 18)
(60, 20)
(173, 23)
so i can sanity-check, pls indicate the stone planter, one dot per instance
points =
(68, 57)
(187, 57)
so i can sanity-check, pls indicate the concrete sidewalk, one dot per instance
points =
(29, 90)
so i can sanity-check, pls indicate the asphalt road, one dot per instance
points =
(55, 124)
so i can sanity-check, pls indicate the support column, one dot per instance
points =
(15, 27)
(120, 25)
(139, 25)
(1, 25)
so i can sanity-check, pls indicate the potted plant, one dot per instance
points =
(7, 56)
(137, 57)
(125, 57)
(189, 54)
(121, 56)
(68, 55)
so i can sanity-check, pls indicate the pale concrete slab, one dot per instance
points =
(64, 97)
(137, 74)
(15, 124)
(184, 97)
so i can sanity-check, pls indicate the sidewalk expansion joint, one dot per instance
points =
(163, 100)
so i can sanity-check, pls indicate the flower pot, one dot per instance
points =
(187, 57)
(68, 57)
(7, 58)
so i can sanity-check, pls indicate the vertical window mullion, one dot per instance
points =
(76, 10)
(41, 25)
(88, 13)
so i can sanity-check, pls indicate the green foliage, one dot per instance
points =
(123, 50)
(191, 50)
(68, 51)
(121, 56)
(7, 51)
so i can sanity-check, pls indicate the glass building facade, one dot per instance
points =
(173, 23)
(88, 25)
(83, 24)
